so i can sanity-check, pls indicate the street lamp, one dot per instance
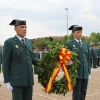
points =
(67, 22)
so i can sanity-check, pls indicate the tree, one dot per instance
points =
(65, 40)
(56, 41)
(98, 37)
(84, 38)
(94, 38)
(41, 42)
(47, 42)
(71, 37)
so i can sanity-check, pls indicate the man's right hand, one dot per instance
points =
(9, 87)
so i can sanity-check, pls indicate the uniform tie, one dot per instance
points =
(23, 43)
(79, 43)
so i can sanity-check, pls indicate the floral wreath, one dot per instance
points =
(49, 67)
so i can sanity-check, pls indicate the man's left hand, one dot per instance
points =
(70, 62)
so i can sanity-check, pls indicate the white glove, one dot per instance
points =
(9, 87)
(89, 77)
(70, 62)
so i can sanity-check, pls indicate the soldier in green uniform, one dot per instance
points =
(91, 57)
(82, 49)
(37, 55)
(0, 60)
(17, 63)
(45, 49)
(94, 53)
(98, 55)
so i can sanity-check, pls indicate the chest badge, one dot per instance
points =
(73, 45)
(16, 46)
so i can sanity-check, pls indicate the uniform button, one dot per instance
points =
(28, 62)
(18, 52)
(16, 72)
(29, 67)
(83, 55)
(84, 64)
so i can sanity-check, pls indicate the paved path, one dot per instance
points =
(93, 92)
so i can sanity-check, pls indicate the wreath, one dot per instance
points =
(49, 67)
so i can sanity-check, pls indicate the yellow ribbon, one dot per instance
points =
(64, 58)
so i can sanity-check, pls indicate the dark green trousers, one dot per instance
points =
(79, 92)
(91, 62)
(98, 61)
(94, 62)
(22, 93)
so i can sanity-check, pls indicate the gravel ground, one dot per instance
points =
(93, 92)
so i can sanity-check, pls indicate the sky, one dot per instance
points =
(48, 17)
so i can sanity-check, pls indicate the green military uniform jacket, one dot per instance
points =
(17, 62)
(83, 57)
(94, 52)
(0, 58)
(98, 52)
(98, 56)
(36, 55)
(90, 51)
(91, 56)
(43, 52)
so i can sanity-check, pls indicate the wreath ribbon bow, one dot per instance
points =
(64, 58)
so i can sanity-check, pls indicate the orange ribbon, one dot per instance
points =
(64, 58)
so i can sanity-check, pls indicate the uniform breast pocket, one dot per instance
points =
(76, 50)
(18, 55)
